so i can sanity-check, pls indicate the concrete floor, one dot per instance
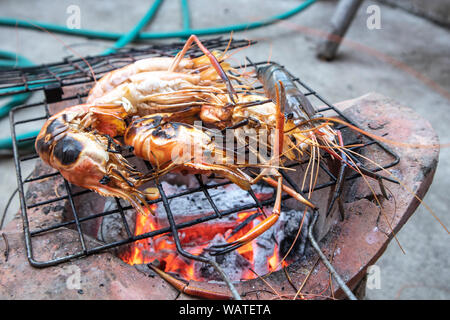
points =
(408, 59)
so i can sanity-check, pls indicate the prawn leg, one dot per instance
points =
(188, 289)
(346, 164)
(215, 63)
(339, 181)
(297, 196)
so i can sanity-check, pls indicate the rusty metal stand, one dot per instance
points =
(341, 20)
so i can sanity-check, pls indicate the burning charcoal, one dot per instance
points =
(233, 264)
(289, 224)
(192, 206)
(263, 249)
(203, 233)
(196, 205)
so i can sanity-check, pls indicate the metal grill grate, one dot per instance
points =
(82, 76)
(72, 71)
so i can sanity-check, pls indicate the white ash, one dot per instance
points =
(232, 264)
(282, 233)
(288, 226)
(263, 249)
(196, 205)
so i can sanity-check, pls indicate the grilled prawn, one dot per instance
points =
(165, 84)
(176, 146)
(71, 142)
(304, 116)
(257, 112)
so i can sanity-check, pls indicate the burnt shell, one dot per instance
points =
(67, 150)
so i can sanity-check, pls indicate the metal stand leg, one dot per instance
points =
(341, 20)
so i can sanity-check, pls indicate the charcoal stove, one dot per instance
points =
(68, 83)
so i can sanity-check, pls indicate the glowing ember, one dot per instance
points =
(194, 239)
(274, 260)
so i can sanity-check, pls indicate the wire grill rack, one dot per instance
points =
(74, 70)
(79, 73)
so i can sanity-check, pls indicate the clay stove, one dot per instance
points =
(63, 224)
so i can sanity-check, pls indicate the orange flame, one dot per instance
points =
(274, 260)
(195, 239)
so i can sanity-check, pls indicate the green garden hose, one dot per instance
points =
(155, 35)
(11, 60)
(134, 33)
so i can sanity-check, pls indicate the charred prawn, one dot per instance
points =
(69, 142)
